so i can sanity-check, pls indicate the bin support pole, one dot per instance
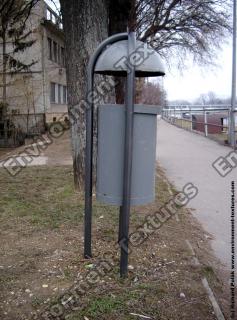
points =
(127, 177)
(205, 122)
(89, 140)
(191, 118)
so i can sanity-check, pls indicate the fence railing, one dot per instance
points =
(29, 124)
(19, 127)
(210, 121)
(11, 138)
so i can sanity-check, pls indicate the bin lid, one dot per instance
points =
(114, 60)
(138, 108)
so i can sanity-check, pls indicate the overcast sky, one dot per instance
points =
(197, 80)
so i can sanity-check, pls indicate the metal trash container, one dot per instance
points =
(111, 133)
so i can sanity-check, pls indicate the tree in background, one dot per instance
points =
(153, 94)
(172, 27)
(14, 40)
(209, 98)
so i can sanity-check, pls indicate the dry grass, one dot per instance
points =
(41, 236)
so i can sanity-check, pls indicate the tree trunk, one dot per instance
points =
(85, 25)
(119, 17)
(4, 85)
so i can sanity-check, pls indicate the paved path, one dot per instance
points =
(188, 157)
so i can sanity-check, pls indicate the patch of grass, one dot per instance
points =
(111, 212)
(6, 279)
(208, 270)
(156, 289)
(44, 197)
(107, 305)
(68, 273)
(36, 302)
(210, 274)
(183, 123)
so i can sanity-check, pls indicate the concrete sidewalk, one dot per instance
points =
(188, 157)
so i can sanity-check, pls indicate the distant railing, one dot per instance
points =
(53, 17)
(212, 121)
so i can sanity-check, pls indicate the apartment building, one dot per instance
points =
(43, 89)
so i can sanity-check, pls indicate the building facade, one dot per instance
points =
(43, 89)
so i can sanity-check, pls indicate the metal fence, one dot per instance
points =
(29, 124)
(210, 121)
(11, 138)
(19, 127)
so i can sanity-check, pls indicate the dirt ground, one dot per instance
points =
(41, 236)
(5, 151)
(41, 239)
(57, 152)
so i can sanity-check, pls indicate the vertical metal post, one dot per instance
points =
(232, 138)
(88, 171)
(181, 118)
(129, 117)
(205, 122)
(89, 140)
(191, 118)
(120, 233)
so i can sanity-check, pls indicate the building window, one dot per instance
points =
(50, 49)
(53, 92)
(62, 56)
(64, 94)
(55, 52)
(58, 93)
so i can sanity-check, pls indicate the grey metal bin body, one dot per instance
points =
(111, 133)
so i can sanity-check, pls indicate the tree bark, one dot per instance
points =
(4, 85)
(119, 14)
(85, 25)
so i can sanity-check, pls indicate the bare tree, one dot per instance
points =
(172, 27)
(194, 27)
(152, 93)
(209, 98)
